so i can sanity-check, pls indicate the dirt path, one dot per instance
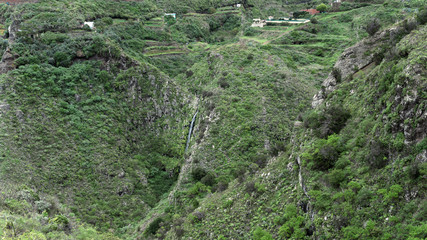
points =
(281, 35)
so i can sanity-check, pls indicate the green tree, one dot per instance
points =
(260, 234)
(322, 7)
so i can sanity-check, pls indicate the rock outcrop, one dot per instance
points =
(7, 61)
(408, 98)
(353, 59)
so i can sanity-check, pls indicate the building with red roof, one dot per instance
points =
(312, 11)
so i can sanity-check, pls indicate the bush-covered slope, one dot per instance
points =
(94, 122)
(85, 123)
(356, 170)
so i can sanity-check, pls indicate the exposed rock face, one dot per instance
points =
(7, 60)
(351, 61)
(13, 29)
(6, 63)
(408, 98)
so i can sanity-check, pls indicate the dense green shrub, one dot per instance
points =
(154, 226)
(331, 120)
(197, 216)
(260, 234)
(336, 72)
(53, 37)
(324, 153)
(322, 7)
(414, 171)
(170, 20)
(209, 179)
(294, 224)
(62, 59)
(198, 173)
(373, 26)
(211, 10)
(223, 83)
(422, 16)
(301, 14)
(314, 20)
(378, 154)
(337, 177)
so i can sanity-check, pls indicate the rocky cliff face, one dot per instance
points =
(354, 59)
(410, 93)
(7, 60)
(407, 97)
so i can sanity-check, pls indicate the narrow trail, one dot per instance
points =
(281, 35)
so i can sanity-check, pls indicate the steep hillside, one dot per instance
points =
(95, 122)
(84, 122)
(356, 170)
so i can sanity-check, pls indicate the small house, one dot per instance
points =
(171, 14)
(91, 25)
(257, 22)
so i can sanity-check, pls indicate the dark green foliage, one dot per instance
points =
(378, 154)
(261, 160)
(209, 179)
(324, 153)
(314, 20)
(221, 186)
(337, 177)
(154, 226)
(223, 83)
(170, 20)
(322, 7)
(250, 187)
(337, 74)
(331, 120)
(293, 226)
(260, 234)
(211, 10)
(62, 59)
(422, 15)
(373, 26)
(301, 14)
(53, 37)
(414, 171)
(198, 173)
(179, 232)
(197, 216)
(409, 25)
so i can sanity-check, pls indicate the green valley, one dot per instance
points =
(294, 131)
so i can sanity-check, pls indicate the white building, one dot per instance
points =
(257, 22)
(171, 14)
(91, 25)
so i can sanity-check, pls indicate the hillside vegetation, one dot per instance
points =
(94, 123)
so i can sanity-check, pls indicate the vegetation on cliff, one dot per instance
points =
(94, 122)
